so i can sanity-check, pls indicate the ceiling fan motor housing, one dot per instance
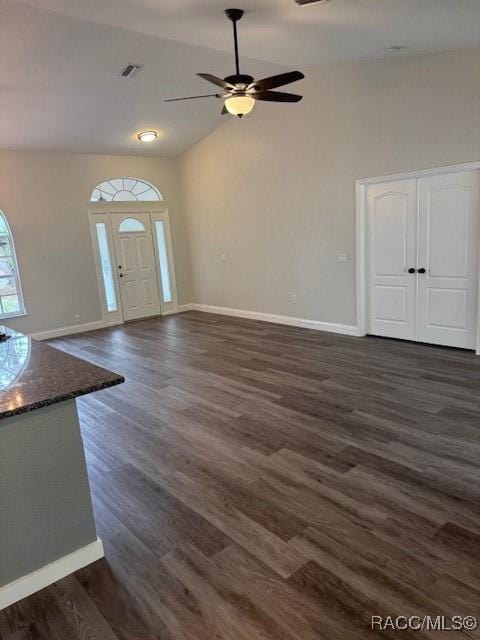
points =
(234, 14)
(239, 79)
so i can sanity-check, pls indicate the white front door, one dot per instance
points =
(448, 259)
(136, 267)
(391, 253)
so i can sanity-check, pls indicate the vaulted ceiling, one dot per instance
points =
(60, 60)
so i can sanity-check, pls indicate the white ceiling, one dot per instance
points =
(282, 32)
(60, 88)
(60, 59)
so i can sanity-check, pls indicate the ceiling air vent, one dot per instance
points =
(130, 70)
(304, 2)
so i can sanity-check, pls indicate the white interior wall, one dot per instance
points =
(45, 197)
(275, 191)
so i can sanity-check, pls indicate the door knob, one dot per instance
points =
(422, 270)
(411, 270)
(121, 275)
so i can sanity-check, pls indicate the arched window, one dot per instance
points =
(11, 300)
(14, 357)
(125, 190)
(130, 225)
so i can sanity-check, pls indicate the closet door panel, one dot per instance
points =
(391, 252)
(448, 251)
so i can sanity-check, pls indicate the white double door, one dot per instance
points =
(422, 259)
(136, 265)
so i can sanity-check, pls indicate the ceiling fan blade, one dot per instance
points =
(208, 95)
(218, 81)
(278, 81)
(276, 96)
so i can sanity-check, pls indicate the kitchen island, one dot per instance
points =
(47, 529)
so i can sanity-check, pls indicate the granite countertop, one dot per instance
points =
(34, 375)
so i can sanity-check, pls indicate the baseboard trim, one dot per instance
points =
(317, 325)
(181, 308)
(185, 307)
(75, 328)
(33, 582)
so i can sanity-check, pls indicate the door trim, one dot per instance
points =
(361, 186)
(108, 317)
(162, 215)
(100, 212)
(145, 266)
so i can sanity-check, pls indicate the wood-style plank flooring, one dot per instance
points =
(254, 481)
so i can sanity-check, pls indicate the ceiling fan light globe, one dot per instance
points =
(239, 105)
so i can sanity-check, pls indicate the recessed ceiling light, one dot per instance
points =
(396, 47)
(147, 136)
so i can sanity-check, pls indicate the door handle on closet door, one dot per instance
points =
(422, 270)
(411, 270)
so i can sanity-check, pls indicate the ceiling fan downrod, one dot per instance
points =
(235, 15)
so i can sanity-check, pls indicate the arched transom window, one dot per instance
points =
(11, 301)
(130, 225)
(125, 190)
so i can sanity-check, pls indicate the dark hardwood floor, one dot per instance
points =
(254, 481)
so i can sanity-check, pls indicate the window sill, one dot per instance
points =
(17, 314)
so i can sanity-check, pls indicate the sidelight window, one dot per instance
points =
(106, 266)
(164, 261)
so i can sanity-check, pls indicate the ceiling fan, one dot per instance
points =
(240, 91)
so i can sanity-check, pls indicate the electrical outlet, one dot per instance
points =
(293, 298)
(77, 318)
